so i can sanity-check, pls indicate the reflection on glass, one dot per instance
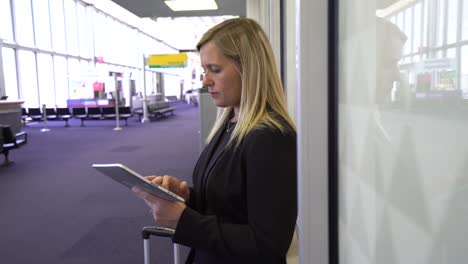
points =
(403, 145)
(465, 20)
(452, 22)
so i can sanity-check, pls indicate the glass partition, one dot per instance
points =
(403, 126)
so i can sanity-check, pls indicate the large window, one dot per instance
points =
(24, 23)
(42, 24)
(64, 36)
(9, 71)
(6, 28)
(465, 20)
(464, 71)
(75, 83)
(71, 27)
(28, 78)
(46, 80)
(101, 35)
(83, 31)
(440, 18)
(61, 80)
(58, 26)
(417, 29)
(452, 21)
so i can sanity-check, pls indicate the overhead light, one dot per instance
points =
(191, 5)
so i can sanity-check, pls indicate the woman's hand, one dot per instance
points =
(172, 184)
(165, 213)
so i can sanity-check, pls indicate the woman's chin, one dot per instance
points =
(219, 103)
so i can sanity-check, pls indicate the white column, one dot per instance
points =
(2, 77)
(290, 73)
(267, 14)
(145, 118)
(312, 126)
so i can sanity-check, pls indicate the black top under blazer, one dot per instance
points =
(243, 205)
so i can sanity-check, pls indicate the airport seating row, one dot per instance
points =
(156, 109)
(82, 113)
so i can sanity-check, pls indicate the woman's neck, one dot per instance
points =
(236, 115)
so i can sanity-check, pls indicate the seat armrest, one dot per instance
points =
(22, 136)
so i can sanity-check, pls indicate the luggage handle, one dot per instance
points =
(156, 231)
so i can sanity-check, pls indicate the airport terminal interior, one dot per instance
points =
(378, 91)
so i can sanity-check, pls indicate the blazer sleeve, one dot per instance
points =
(269, 158)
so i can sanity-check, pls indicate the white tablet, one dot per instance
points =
(130, 178)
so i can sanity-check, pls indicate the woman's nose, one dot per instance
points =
(206, 80)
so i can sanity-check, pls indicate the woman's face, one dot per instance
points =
(222, 76)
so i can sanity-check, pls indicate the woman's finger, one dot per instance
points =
(157, 180)
(166, 182)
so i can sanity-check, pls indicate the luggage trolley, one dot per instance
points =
(149, 231)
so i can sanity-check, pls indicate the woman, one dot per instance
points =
(242, 207)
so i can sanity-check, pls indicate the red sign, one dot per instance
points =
(97, 86)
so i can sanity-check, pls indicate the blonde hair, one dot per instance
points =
(262, 101)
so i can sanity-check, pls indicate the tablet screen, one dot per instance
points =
(130, 178)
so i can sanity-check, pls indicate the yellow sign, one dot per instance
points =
(167, 60)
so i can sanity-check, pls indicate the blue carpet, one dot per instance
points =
(54, 208)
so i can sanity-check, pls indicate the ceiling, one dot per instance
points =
(157, 8)
(182, 30)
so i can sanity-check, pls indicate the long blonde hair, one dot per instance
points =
(262, 98)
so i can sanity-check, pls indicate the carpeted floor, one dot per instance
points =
(54, 208)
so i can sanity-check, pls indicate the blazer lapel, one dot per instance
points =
(206, 162)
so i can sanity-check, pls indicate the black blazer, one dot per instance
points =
(243, 205)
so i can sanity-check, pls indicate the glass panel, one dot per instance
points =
(28, 78)
(46, 80)
(452, 24)
(71, 27)
(403, 149)
(58, 26)
(465, 20)
(42, 24)
(6, 28)
(61, 81)
(464, 72)
(24, 24)
(9, 71)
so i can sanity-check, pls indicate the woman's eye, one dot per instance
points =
(215, 69)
